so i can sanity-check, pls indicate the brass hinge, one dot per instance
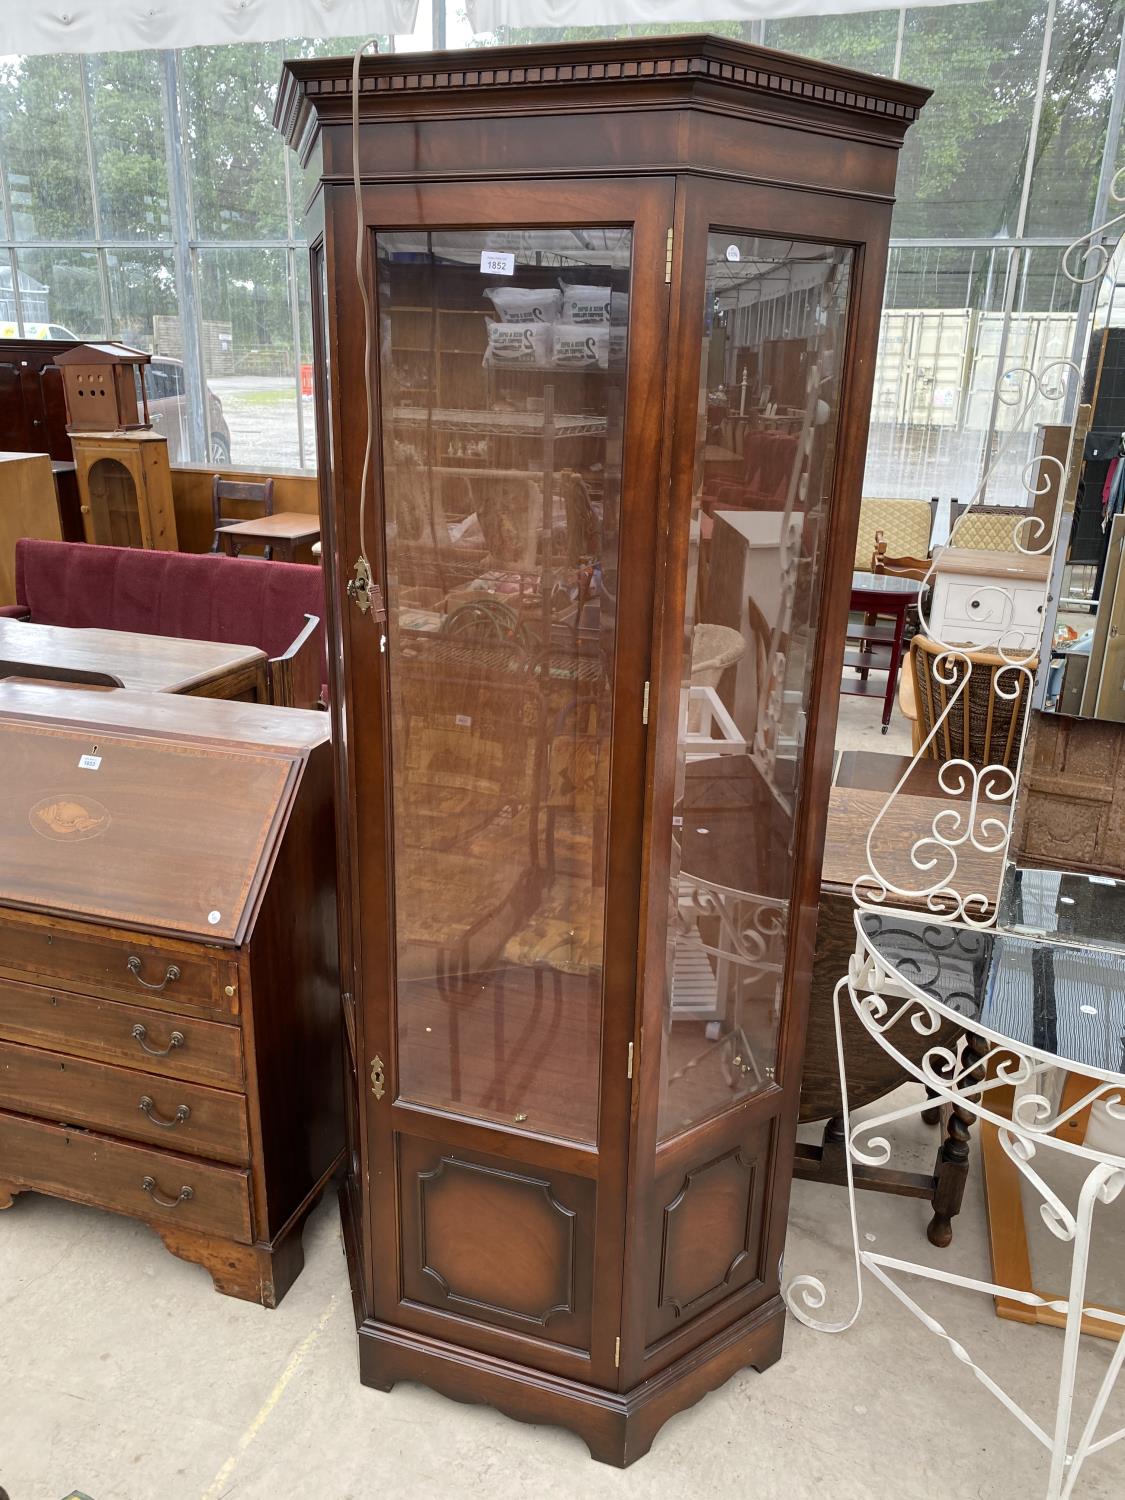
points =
(617, 1354)
(644, 705)
(629, 1065)
(364, 593)
(668, 256)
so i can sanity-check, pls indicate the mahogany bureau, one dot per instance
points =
(169, 1003)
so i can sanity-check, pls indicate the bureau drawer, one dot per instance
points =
(127, 968)
(156, 1041)
(166, 1111)
(136, 1180)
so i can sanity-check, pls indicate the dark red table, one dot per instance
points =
(874, 644)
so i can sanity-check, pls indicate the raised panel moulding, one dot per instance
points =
(713, 1262)
(464, 1249)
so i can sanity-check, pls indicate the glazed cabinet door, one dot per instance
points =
(778, 305)
(495, 739)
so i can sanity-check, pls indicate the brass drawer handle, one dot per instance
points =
(149, 1186)
(174, 1041)
(171, 973)
(181, 1117)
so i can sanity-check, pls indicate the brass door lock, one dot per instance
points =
(378, 1078)
(364, 593)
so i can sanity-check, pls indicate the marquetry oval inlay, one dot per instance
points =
(69, 816)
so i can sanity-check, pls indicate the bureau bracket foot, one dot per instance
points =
(253, 1273)
(8, 1191)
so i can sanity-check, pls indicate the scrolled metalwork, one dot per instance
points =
(1095, 257)
(873, 982)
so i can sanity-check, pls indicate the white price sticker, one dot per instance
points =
(733, 252)
(463, 721)
(89, 762)
(498, 262)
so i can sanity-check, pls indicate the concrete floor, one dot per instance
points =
(124, 1376)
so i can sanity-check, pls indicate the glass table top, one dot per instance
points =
(884, 583)
(1087, 910)
(1063, 1000)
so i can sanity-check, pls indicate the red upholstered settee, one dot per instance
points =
(242, 601)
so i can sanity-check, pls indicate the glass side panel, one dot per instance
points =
(774, 331)
(502, 385)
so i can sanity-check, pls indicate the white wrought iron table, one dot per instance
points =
(1031, 1006)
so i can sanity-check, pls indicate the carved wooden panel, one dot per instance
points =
(497, 1241)
(706, 1233)
(1070, 811)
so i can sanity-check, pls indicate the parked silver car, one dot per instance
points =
(168, 408)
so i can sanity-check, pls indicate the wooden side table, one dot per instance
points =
(284, 531)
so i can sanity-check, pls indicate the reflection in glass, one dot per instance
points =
(502, 382)
(61, 293)
(776, 316)
(1079, 95)
(1084, 621)
(142, 292)
(962, 169)
(248, 354)
(126, 103)
(237, 163)
(44, 149)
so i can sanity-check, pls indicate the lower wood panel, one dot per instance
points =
(111, 1174)
(705, 1231)
(497, 1242)
(167, 1111)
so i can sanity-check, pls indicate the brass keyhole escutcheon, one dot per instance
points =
(378, 1081)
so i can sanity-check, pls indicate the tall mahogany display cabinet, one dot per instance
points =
(625, 306)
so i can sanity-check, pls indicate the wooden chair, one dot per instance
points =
(992, 528)
(985, 727)
(903, 524)
(245, 492)
(294, 678)
(897, 567)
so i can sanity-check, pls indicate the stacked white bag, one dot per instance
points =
(540, 328)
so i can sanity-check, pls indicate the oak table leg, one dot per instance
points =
(952, 1169)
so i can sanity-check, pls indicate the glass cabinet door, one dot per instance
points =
(774, 330)
(502, 358)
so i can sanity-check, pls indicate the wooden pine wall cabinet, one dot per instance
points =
(125, 489)
(620, 289)
(169, 1007)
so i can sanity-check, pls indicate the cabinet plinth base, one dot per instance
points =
(617, 1427)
